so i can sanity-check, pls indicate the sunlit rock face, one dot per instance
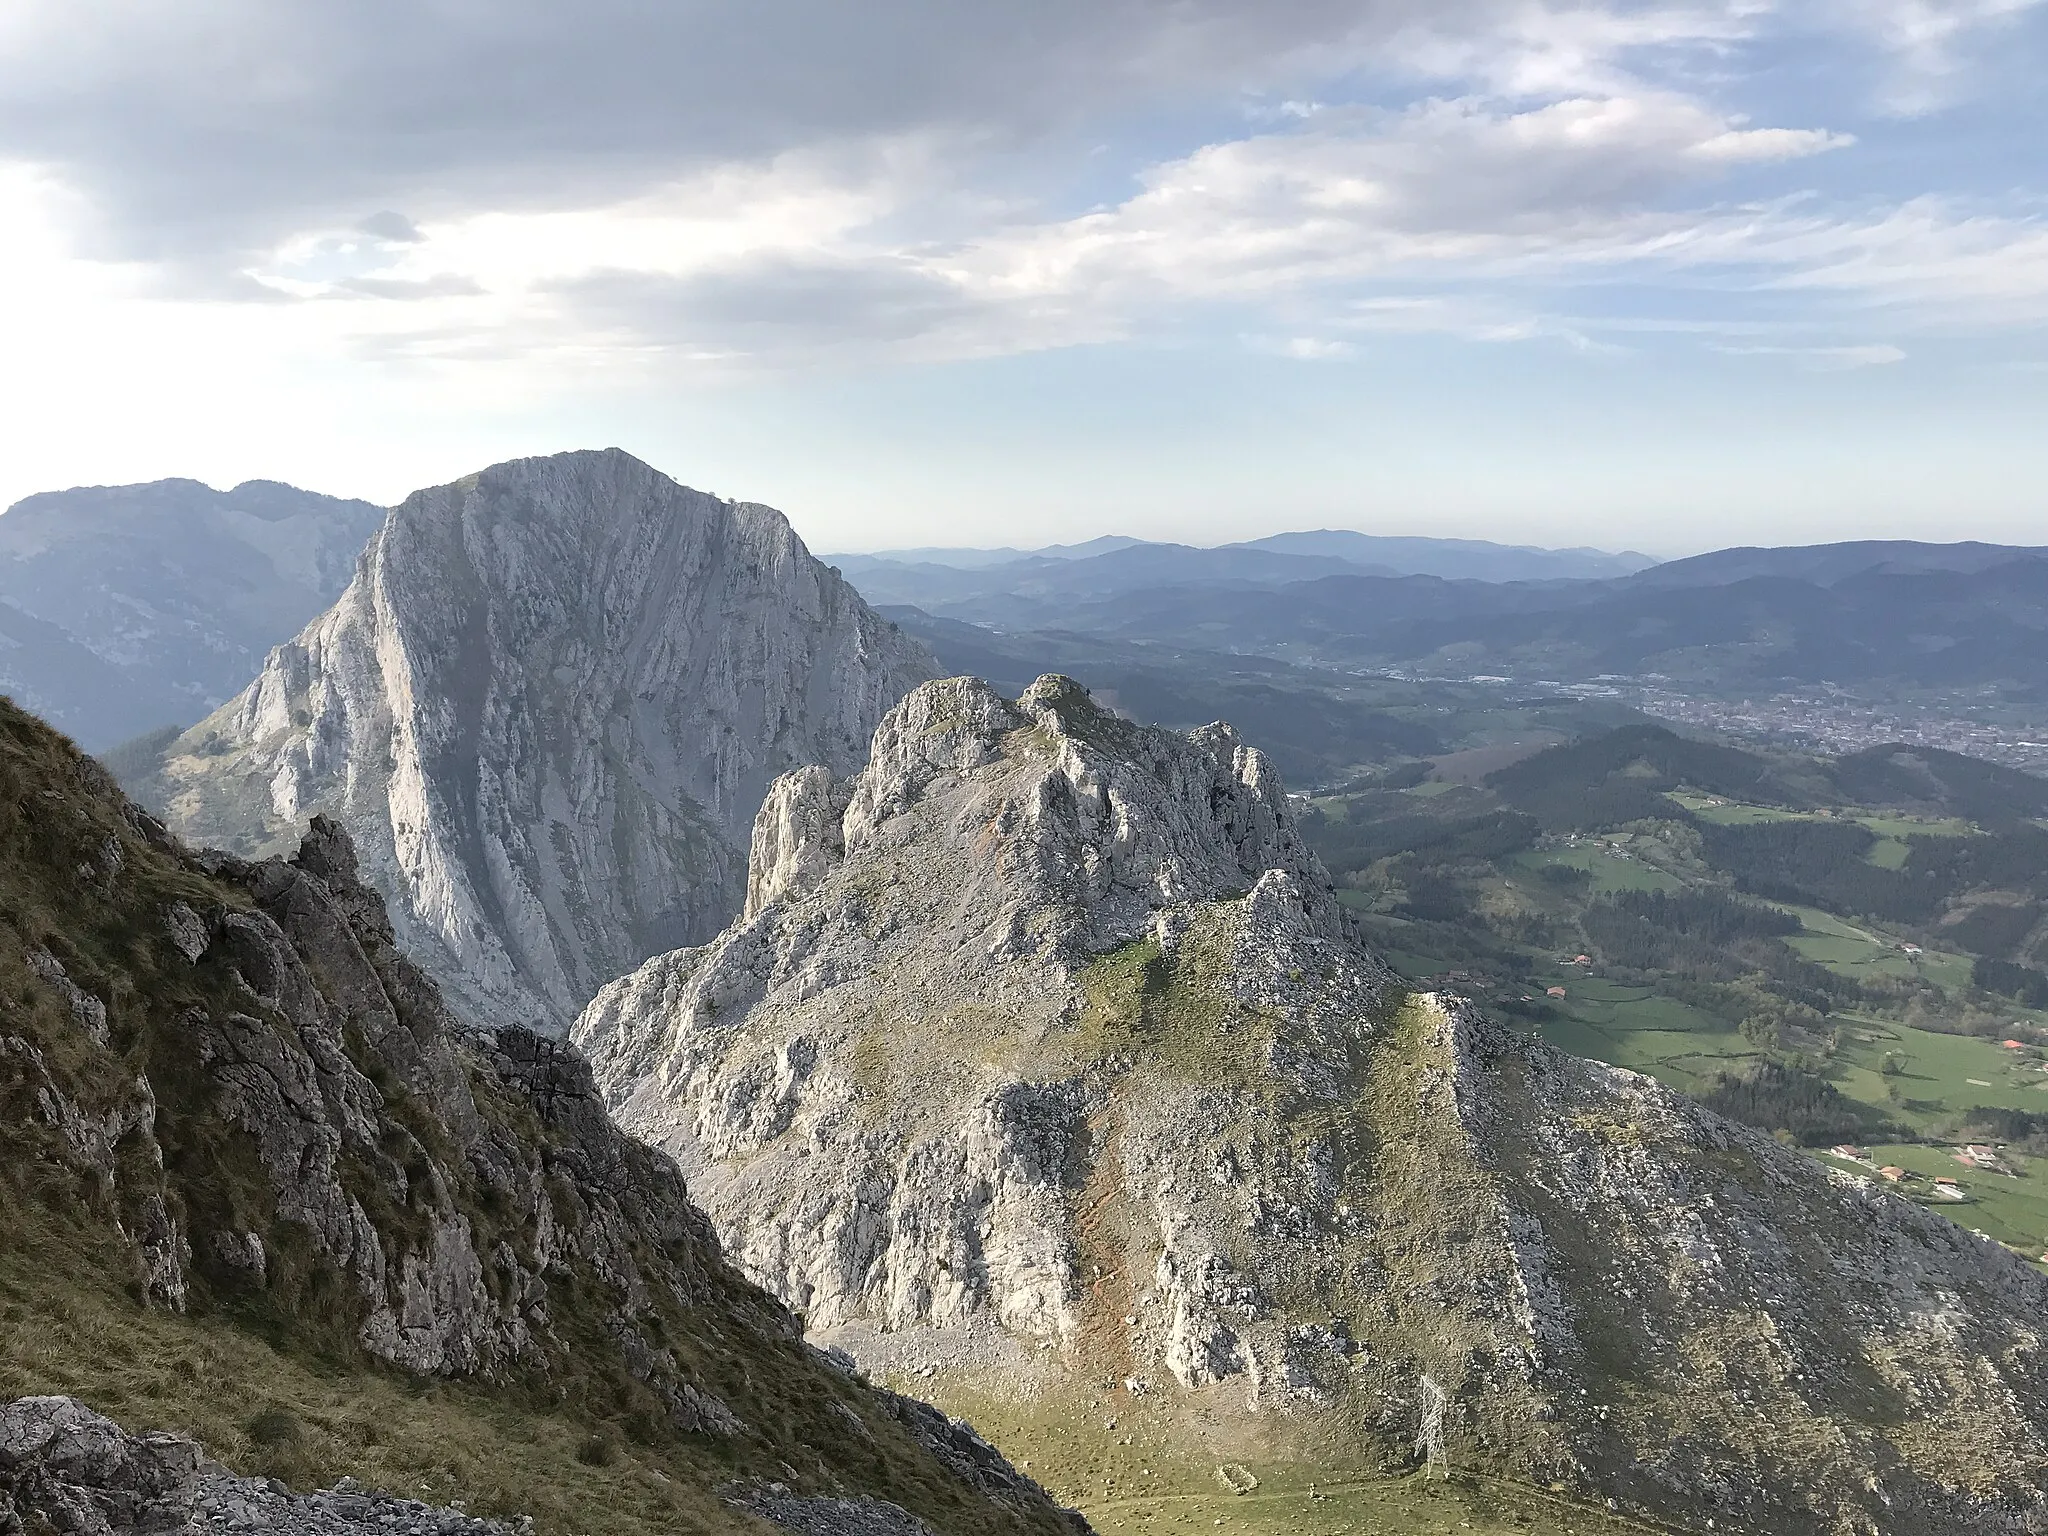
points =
(548, 707)
(1045, 1064)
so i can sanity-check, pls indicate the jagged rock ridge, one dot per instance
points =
(223, 1084)
(1119, 1096)
(548, 707)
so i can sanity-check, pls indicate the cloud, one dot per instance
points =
(207, 133)
(776, 308)
(1448, 186)
(1310, 349)
(1931, 44)
(447, 285)
(393, 227)
(1827, 359)
(797, 182)
(206, 128)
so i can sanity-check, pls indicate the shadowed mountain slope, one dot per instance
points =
(248, 1158)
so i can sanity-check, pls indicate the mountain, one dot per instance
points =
(1929, 628)
(548, 706)
(1455, 559)
(1112, 565)
(1043, 1068)
(259, 1184)
(125, 608)
(1309, 721)
(1928, 779)
(1038, 589)
(1826, 564)
(1942, 629)
(973, 559)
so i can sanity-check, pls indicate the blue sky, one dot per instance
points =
(1662, 276)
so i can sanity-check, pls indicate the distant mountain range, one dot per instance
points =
(1037, 584)
(968, 559)
(124, 608)
(128, 610)
(1937, 615)
(1826, 564)
(1462, 559)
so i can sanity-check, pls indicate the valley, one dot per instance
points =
(1836, 1023)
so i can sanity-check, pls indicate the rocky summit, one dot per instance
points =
(548, 707)
(258, 1184)
(1044, 1067)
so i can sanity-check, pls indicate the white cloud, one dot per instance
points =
(1930, 43)
(1450, 187)
(1827, 359)
(1315, 349)
(529, 198)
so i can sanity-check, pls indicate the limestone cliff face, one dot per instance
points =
(548, 707)
(1044, 1059)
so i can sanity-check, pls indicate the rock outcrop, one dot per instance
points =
(547, 708)
(126, 608)
(269, 1118)
(1044, 1059)
(66, 1468)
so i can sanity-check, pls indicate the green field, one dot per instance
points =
(1923, 1081)
(1894, 829)
(1429, 789)
(1130, 1469)
(2012, 1210)
(1937, 1075)
(1914, 826)
(1610, 871)
(1643, 1030)
(1411, 966)
(1860, 954)
(1730, 813)
(1407, 1506)
(1843, 947)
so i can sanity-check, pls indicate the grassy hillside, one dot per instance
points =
(1834, 950)
(256, 1185)
(1126, 1467)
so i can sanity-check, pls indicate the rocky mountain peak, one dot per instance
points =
(1094, 823)
(1043, 1068)
(548, 707)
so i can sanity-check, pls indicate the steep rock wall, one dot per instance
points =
(547, 708)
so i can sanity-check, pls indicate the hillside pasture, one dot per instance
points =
(1610, 871)
(2004, 1208)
